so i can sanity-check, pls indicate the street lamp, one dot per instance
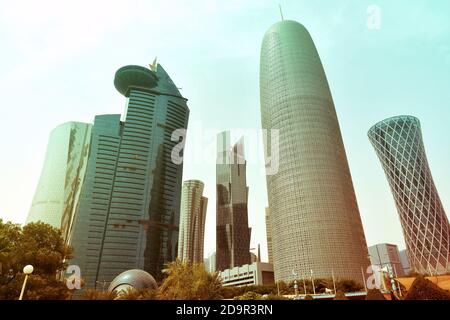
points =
(295, 274)
(27, 270)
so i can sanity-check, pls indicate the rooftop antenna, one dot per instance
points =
(281, 13)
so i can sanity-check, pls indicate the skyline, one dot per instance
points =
(87, 82)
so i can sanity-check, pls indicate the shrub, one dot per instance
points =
(274, 297)
(375, 294)
(348, 286)
(93, 294)
(423, 289)
(340, 296)
(249, 296)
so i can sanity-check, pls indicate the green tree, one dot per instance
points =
(10, 235)
(140, 294)
(42, 246)
(37, 244)
(250, 295)
(186, 281)
(93, 294)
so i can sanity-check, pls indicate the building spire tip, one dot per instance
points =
(281, 13)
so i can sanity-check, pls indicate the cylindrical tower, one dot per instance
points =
(192, 222)
(314, 214)
(399, 146)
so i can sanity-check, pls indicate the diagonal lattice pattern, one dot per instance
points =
(399, 145)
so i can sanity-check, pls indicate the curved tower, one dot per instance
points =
(192, 222)
(316, 226)
(62, 176)
(399, 146)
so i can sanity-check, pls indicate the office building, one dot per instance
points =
(59, 186)
(314, 214)
(257, 274)
(405, 262)
(128, 216)
(210, 263)
(269, 236)
(387, 255)
(192, 222)
(232, 231)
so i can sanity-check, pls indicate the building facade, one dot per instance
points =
(269, 236)
(257, 273)
(314, 215)
(210, 263)
(232, 231)
(385, 254)
(399, 145)
(59, 186)
(192, 222)
(405, 261)
(129, 215)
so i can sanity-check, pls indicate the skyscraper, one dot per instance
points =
(62, 176)
(315, 218)
(232, 231)
(192, 222)
(405, 262)
(128, 217)
(269, 236)
(399, 146)
(210, 263)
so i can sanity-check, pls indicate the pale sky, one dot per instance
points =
(58, 60)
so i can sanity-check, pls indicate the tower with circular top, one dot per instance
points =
(129, 213)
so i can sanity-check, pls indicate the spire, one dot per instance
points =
(154, 65)
(281, 13)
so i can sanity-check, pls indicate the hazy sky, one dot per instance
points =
(58, 60)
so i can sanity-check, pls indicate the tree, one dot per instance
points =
(42, 246)
(93, 294)
(140, 294)
(186, 281)
(37, 244)
(348, 286)
(250, 295)
(10, 235)
(375, 294)
(423, 289)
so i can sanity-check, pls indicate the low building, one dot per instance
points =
(385, 254)
(257, 273)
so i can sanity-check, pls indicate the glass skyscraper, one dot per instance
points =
(316, 225)
(62, 176)
(192, 222)
(128, 216)
(232, 231)
(399, 146)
